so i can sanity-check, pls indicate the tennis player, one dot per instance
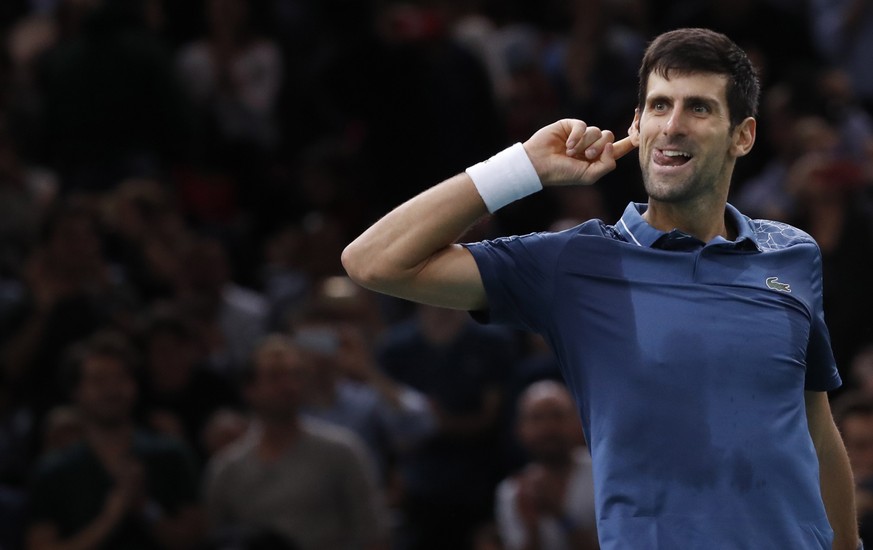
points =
(692, 337)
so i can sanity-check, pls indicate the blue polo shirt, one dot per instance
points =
(688, 362)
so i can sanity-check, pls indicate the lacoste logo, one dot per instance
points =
(773, 282)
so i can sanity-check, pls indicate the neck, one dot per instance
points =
(277, 435)
(109, 439)
(703, 220)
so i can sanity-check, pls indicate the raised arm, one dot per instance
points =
(412, 253)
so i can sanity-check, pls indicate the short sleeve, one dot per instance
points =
(519, 277)
(821, 367)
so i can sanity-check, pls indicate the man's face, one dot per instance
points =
(107, 391)
(278, 386)
(549, 427)
(687, 148)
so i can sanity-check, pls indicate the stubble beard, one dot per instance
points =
(700, 182)
(672, 192)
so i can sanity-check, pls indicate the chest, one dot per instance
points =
(645, 316)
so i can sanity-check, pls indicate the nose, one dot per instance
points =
(675, 124)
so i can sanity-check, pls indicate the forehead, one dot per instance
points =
(710, 86)
(102, 365)
(277, 359)
(546, 402)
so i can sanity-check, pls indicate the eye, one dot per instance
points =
(659, 106)
(700, 109)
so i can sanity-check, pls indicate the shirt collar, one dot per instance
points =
(636, 230)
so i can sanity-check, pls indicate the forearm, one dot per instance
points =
(838, 493)
(835, 474)
(410, 253)
(394, 255)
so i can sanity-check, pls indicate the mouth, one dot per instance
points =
(671, 158)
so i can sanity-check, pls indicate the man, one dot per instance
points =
(120, 487)
(309, 485)
(692, 338)
(549, 504)
(448, 480)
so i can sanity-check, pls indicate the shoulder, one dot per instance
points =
(594, 227)
(330, 438)
(233, 455)
(506, 490)
(245, 299)
(540, 249)
(773, 235)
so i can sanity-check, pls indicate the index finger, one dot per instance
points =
(622, 147)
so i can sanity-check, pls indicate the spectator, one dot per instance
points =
(843, 34)
(234, 75)
(71, 293)
(349, 389)
(180, 392)
(231, 317)
(145, 234)
(120, 487)
(224, 427)
(861, 370)
(828, 189)
(449, 479)
(550, 503)
(111, 104)
(310, 485)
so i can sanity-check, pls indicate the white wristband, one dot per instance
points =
(504, 178)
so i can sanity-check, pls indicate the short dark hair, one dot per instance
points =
(694, 50)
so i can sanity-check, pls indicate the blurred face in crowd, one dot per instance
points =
(548, 426)
(74, 244)
(107, 390)
(857, 430)
(278, 381)
(171, 360)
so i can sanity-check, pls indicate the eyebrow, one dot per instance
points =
(692, 99)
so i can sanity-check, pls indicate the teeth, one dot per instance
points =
(677, 154)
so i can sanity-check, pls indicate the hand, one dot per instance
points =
(526, 502)
(540, 493)
(569, 152)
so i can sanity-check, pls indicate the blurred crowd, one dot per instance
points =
(183, 363)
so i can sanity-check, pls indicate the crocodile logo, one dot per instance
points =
(773, 282)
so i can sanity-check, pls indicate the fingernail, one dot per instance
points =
(571, 144)
(590, 152)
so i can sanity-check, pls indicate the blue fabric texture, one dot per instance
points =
(688, 362)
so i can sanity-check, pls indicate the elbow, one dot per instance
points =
(362, 267)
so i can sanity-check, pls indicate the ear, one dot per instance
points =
(634, 130)
(743, 137)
